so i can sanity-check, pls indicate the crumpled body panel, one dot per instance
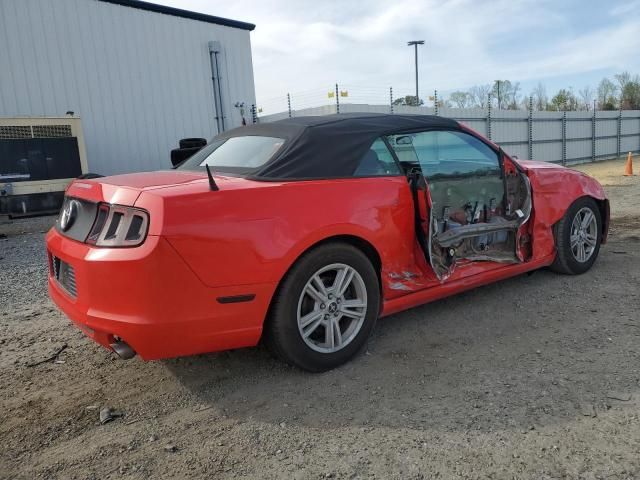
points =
(554, 189)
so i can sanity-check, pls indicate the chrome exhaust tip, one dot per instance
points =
(123, 350)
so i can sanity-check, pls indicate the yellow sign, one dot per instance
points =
(344, 93)
(331, 94)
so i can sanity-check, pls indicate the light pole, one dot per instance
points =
(415, 44)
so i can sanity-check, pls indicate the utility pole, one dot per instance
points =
(499, 98)
(415, 44)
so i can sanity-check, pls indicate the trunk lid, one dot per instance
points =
(126, 189)
(156, 192)
(150, 180)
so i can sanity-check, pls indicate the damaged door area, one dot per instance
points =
(470, 203)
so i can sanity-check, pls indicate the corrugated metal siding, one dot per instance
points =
(549, 127)
(139, 80)
(510, 131)
(630, 144)
(520, 151)
(578, 149)
(579, 124)
(547, 151)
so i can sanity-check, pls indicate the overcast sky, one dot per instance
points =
(306, 45)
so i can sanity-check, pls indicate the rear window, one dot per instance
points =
(235, 154)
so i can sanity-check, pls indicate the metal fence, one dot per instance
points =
(566, 137)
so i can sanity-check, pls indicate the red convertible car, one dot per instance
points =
(302, 232)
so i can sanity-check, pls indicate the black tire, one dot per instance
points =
(88, 176)
(282, 335)
(566, 262)
(192, 142)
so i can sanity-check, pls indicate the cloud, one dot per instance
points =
(309, 45)
(626, 8)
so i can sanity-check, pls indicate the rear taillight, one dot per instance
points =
(118, 226)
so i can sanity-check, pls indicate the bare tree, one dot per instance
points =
(540, 98)
(501, 91)
(460, 99)
(480, 95)
(629, 90)
(630, 96)
(506, 94)
(622, 79)
(606, 94)
(514, 96)
(586, 94)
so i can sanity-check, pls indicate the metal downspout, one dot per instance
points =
(214, 50)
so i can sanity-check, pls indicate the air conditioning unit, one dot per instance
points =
(38, 159)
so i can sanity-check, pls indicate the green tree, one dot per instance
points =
(631, 95)
(563, 100)
(409, 100)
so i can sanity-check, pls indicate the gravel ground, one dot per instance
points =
(534, 377)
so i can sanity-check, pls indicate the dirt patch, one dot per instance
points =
(535, 377)
(623, 191)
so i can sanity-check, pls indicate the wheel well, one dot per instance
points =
(603, 207)
(357, 242)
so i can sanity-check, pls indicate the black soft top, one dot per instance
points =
(329, 146)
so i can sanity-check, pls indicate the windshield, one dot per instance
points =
(235, 154)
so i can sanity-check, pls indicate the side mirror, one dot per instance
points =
(404, 140)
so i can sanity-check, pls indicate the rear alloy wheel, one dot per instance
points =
(332, 308)
(578, 237)
(325, 308)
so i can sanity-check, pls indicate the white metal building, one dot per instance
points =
(139, 75)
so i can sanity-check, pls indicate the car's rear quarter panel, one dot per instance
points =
(233, 237)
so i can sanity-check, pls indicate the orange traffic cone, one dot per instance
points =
(628, 168)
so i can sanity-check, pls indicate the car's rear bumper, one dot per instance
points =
(148, 297)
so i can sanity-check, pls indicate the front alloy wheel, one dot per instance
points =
(584, 234)
(325, 308)
(578, 237)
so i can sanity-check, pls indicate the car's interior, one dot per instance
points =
(370, 165)
(377, 161)
(477, 202)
